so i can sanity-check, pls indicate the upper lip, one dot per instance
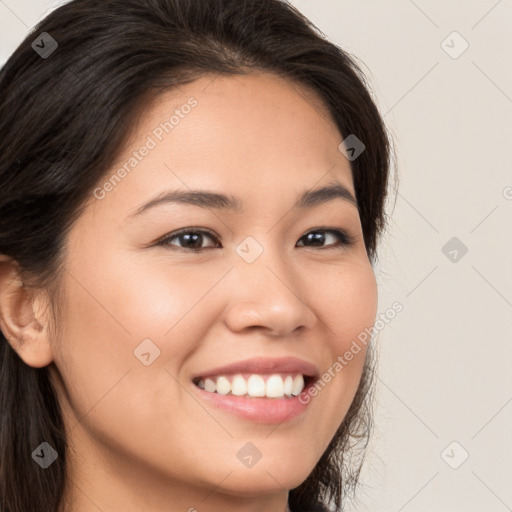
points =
(263, 365)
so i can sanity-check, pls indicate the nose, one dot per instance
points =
(267, 295)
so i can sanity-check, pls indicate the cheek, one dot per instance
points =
(114, 305)
(124, 301)
(348, 308)
(110, 310)
(349, 303)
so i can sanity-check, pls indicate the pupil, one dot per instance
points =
(316, 237)
(188, 238)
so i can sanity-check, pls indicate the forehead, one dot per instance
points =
(251, 136)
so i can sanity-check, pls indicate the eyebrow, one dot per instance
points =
(206, 199)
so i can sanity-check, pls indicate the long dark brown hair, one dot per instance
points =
(63, 120)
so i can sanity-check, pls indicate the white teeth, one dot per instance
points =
(256, 386)
(209, 385)
(274, 387)
(298, 385)
(223, 386)
(288, 385)
(238, 386)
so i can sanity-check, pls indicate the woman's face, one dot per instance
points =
(145, 317)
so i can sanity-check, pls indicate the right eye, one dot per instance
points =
(190, 239)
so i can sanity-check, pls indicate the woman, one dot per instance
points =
(191, 199)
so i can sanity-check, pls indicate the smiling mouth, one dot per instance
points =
(254, 385)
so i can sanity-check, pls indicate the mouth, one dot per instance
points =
(286, 385)
(261, 389)
(259, 398)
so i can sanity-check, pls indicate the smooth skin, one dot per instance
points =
(140, 437)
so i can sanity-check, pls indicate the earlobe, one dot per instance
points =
(19, 317)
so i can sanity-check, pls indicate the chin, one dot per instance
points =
(266, 478)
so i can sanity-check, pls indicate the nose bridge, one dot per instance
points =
(266, 293)
(263, 260)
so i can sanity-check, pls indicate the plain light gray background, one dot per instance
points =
(444, 386)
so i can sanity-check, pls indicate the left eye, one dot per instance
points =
(317, 236)
(192, 239)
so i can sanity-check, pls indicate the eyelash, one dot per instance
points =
(346, 240)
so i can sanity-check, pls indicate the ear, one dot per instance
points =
(21, 320)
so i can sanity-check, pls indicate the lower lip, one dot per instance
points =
(259, 410)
